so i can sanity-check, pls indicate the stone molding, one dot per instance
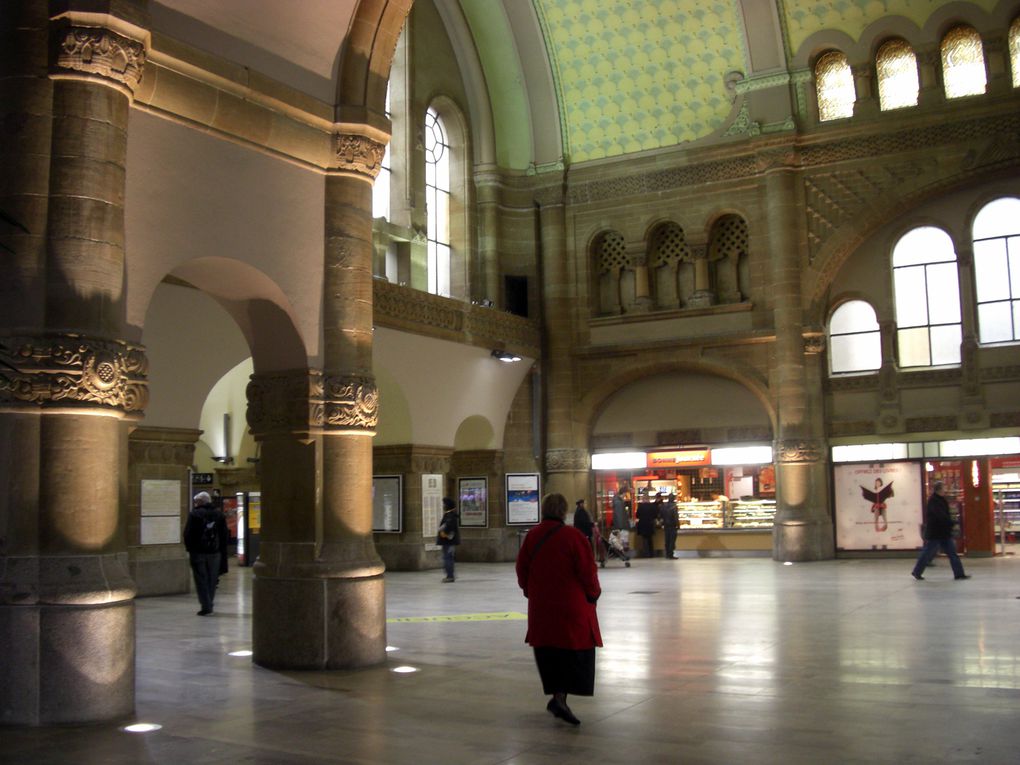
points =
(358, 155)
(567, 460)
(97, 52)
(289, 402)
(71, 370)
(796, 451)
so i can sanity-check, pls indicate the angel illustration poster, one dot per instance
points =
(878, 506)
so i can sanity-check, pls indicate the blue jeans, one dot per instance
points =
(449, 556)
(931, 547)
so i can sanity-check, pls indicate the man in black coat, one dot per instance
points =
(938, 535)
(206, 538)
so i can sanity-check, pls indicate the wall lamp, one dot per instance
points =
(509, 358)
(224, 460)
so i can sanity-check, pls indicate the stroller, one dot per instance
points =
(609, 547)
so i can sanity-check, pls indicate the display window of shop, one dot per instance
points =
(709, 492)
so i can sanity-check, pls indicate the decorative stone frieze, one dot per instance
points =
(1004, 420)
(359, 154)
(63, 370)
(799, 451)
(929, 424)
(297, 401)
(97, 52)
(350, 402)
(566, 460)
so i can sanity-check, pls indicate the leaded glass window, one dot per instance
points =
(437, 203)
(927, 298)
(834, 84)
(963, 63)
(997, 270)
(897, 75)
(855, 343)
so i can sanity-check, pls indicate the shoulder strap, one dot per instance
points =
(543, 540)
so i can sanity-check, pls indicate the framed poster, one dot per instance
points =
(473, 499)
(879, 506)
(387, 504)
(431, 507)
(161, 512)
(523, 494)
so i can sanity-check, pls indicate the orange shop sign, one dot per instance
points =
(679, 458)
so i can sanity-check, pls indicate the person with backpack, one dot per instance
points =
(205, 539)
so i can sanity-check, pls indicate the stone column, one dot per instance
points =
(486, 285)
(67, 378)
(566, 463)
(318, 596)
(803, 528)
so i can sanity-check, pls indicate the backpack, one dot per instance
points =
(210, 537)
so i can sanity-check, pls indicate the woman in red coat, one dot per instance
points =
(556, 569)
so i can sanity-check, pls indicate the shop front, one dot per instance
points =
(880, 491)
(725, 497)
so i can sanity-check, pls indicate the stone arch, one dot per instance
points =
(670, 265)
(609, 264)
(728, 256)
(366, 59)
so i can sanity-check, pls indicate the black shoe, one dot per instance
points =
(562, 711)
(962, 576)
(205, 612)
(918, 577)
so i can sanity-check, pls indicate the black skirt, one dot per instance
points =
(565, 670)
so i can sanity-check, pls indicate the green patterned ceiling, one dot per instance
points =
(640, 74)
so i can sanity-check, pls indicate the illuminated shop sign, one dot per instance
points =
(679, 459)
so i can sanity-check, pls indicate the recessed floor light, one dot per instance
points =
(405, 669)
(391, 648)
(788, 563)
(239, 653)
(141, 728)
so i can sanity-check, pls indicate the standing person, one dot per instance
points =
(582, 520)
(206, 539)
(668, 516)
(621, 515)
(647, 515)
(938, 535)
(448, 537)
(556, 570)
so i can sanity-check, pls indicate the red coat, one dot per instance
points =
(561, 584)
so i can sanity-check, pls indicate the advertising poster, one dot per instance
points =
(386, 503)
(473, 500)
(522, 499)
(431, 507)
(878, 506)
(161, 512)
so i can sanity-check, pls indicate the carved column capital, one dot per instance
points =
(98, 53)
(566, 460)
(358, 155)
(350, 404)
(71, 370)
(302, 400)
(799, 450)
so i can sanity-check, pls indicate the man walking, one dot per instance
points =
(938, 535)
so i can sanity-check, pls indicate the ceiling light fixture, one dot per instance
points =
(505, 357)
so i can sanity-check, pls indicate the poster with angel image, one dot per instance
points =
(879, 506)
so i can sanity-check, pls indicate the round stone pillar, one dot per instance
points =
(67, 379)
(318, 596)
(803, 527)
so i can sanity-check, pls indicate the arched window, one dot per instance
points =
(1014, 51)
(381, 188)
(855, 343)
(437, 203)
(897, 75)
(927, 292)
(834, 85)
(963, 63)
(996, 235)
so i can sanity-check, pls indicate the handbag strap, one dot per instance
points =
(543, 540)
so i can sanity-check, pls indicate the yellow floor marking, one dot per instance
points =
(498, 616)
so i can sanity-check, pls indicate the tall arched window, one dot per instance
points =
(834, 86)
(437, 203)
(897, 75)
(963, 63)
(996, 235)
(381, 188)
(855, 343)
(1014, 51)
(927, 292)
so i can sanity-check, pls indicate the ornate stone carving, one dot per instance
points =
(929, 424)
(799, 450)
(284, 402)
(350, 402)
(98, 52)
(359, 154)
(64, 370)
(566, 460)
(814, 342)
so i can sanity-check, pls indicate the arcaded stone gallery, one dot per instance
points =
(333, 260)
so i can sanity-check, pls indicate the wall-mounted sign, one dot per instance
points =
(387, 506)
(473, 499)
(201, 479)
(878, 506)
(522, 499)
(684, 458)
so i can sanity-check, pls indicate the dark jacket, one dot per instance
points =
(449, 529)
(561, 584)
(194, 533)
(938, 523)
(647, 512)
(582, 521)
(621, 513)
(668, 515)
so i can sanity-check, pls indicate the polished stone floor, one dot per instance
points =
(705, 661)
